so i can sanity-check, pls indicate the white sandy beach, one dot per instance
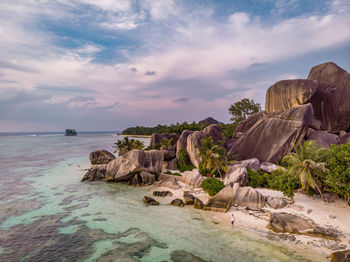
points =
(335, 215)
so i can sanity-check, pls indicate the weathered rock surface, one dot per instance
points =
(194, 141)
(246, 124)
(192, 178)
(156, 138)
(100, 157)
(182, 141)
(252, 163)
(188, 198)
(222, 201)
(142, 179)
(169, 154)
(341, 256)
(270, 167)
(240, 196)
(273, 136)
(126, 166)
(236, 174)
(344, 139)
(184, 256)
(249, 197)
(150, 201)
(177, 202)
(198, 204)
(95, 173)
(323, 138)
(166, 177)
(170, 165)
(162, 193)
(286, 94)
(290, 223)
(172, 184)
(330, 102)
(276, 202)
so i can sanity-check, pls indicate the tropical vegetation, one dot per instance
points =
(125, 145)
(213, 159)
(212, 185)
(306, 164)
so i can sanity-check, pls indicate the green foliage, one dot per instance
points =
(304, 163)
(257, 178)
(243, 109)
(213, 159)
(277, 180)
(183, 160)
(338, 163)
(176, 174)
(212, 185)
(168, 172)
(177, 128)
(125, 145)
(165, 143)
(227, 130)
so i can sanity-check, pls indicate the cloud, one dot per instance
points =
(85, 55)
(181, 100)
(150, 73)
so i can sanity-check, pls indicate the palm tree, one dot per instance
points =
(304, 163)
(165, 143)
(212, 156)
(125, 145)
(138, 145)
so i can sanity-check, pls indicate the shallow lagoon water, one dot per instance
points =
(47, 214)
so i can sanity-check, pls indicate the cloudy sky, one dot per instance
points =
(111, 64)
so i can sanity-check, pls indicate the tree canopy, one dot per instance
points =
(243, 109)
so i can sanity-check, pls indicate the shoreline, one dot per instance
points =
(137, 136)
(254, 222)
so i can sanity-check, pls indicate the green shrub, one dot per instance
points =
(176, 174)
(277, 180)
(286, 183)
(257, 178)
(182, 162)
(338, 163)
(212, 185)
(168, 172)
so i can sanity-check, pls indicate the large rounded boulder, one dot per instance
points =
(182, 141)
(135, 161)
(286, 94)
(331, 100)
(100, 157)
(273, 136)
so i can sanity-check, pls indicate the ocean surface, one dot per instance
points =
(48, 214)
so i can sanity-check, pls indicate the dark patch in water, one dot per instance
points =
(41, 241)
(58, 194)
(78, 206)
(73, 188)
(86, 215)
(17, 207)
(127, 251)
(184, 256)
(99, 219)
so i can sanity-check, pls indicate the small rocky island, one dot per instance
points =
(303, 120)
(70, 132)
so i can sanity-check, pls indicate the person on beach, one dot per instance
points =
(232, 220)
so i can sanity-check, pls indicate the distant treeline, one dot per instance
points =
(227, 129)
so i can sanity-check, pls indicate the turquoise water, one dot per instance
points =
(47, 214)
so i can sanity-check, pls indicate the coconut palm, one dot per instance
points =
(305, 164)
(125, 145)
(212, 156)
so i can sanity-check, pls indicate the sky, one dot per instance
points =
(111, 64)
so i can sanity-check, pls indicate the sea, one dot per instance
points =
(48, 214)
